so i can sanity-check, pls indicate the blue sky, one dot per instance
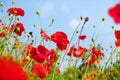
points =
(67, 15)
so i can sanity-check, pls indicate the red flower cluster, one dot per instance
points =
(41, 53)
(18, 28)
(60, 38)
(38, 54)
(11, 70)
(44, 57)
(16, 11)
(73, 51)
(114, 12)
(96, 54)
(117, 35)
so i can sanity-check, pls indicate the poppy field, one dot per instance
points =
(22, 60)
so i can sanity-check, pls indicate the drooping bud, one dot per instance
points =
(86, 19)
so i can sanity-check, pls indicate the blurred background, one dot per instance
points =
(66, 14)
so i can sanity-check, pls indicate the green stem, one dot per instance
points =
(110, 57)
(100, 30)
(70, 41)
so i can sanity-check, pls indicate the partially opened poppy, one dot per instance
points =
(82, 37)
(114, 12)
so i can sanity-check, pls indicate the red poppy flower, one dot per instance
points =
(44, 34)
(82, 37)
(52, 58)
(37, 54)
(114, 12)
(60, 38)
(11, 70)
(62, 44)
(117, 34)
(117, 43)
(95, 56)
(16, 11)
(81, 51)
(40, 70)
(97, 52)
(90, 61)
(18, 28)
(72, 51)
(43, 50)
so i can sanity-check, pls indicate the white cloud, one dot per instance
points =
(73, 23)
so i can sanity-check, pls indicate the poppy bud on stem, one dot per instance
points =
(85, 20)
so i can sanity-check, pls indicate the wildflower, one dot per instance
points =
(34, 53)
(16, 11)
(96, 54)
(117, 36)
(10, 69)
(52, 57)
(44, 34)
(39, 54)
(60, 38)
(82, 37)
(117, 43)
(4, 31)
(43, 50)
(18, 28)
(81, 51)
(114, 12)
(40, 70)
(72, 51)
